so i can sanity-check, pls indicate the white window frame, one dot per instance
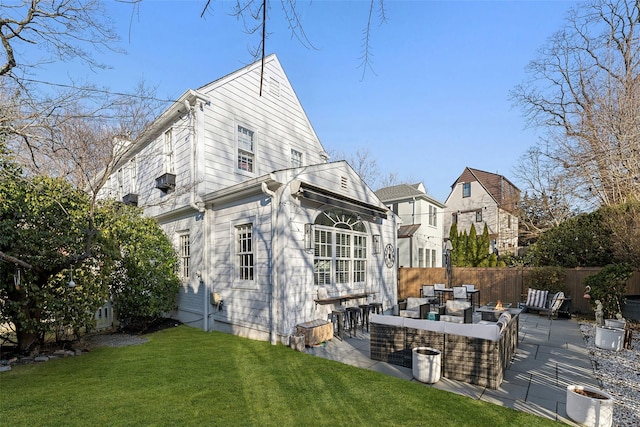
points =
(421, 263)
(184, 253)
(434, 254)
(466, 189)
(323, 257)
(297, 158)
(133, 176)
(244, 253)
(433, 216)
(169, 147)
(340, 257)
(245, 151)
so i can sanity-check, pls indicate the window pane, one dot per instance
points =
(244, 251)
(342, 271)
(245, 161)
(245, 139)
(466, 189)
(296, 158)
(185, 254)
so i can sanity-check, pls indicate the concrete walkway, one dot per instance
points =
(551, 355)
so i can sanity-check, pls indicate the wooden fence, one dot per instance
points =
(504, 284)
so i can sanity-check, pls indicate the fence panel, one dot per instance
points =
(504, 284)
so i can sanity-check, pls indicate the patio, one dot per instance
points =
(551, 354)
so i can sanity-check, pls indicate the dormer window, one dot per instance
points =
(246, 149)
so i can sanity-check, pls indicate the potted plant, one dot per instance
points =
(589, 406)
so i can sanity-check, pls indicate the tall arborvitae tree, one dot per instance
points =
(453, 238)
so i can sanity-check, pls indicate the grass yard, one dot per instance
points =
(184, 376)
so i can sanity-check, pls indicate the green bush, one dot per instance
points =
(552, 279)
(609, 286)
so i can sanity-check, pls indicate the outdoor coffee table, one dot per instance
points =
(490, 313)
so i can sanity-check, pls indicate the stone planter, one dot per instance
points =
(589, 406)
(608, 338)
(615, 323)
(426, 364)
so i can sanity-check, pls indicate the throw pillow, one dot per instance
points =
(536, 298)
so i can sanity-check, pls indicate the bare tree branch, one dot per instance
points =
(584, 89)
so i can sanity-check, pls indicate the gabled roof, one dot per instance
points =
(497, 186)
(402, 192)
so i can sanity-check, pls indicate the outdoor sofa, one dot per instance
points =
(476, 353)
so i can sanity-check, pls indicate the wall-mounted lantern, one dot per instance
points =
(377, 244)
(308, 237)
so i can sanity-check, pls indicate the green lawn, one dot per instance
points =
(184, 376)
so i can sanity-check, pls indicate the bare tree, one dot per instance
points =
(363, 162)
(548, 195)
(79, 134)
(584, 89)
(62, 29)
(255, 14)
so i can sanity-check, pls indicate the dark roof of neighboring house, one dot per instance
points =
(504, 192)
(407, 230)
(402, 192)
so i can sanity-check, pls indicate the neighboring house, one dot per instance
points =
(420, 238)
(479, 197)
(240, 182)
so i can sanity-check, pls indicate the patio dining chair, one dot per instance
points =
(429, 292)
(460, 293)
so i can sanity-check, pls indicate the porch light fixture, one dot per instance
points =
(308, 237)
(377, 247)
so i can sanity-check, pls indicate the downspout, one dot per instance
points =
(207, 275)
(191, 113)
(413, 221)
(191, 128)
(274, 270)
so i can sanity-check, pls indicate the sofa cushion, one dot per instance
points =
(457, 308)
(503, 321)
(413, 313)
(536, 298)
(427, 325)
(413, 302)
(451, 319)
(386, 320)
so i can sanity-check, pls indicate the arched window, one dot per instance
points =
(340, 249)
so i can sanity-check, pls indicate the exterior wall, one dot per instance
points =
(465, 208)
(192, 294)
(206, 205)
(295, 265)
(427, 237)
(246, 309)
(278, 122)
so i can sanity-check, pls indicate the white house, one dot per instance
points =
(259, 217)
(420, 238)
(479, 197)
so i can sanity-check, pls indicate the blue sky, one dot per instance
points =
(438, 100)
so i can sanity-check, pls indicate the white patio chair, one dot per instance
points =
(460, 293)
